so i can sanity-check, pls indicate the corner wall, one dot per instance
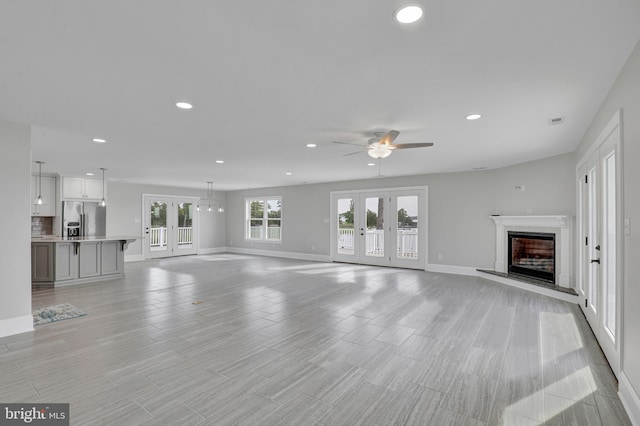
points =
(15, 228)
(625, 95)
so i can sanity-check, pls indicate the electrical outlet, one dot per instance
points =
(439, 256)
(313, 248)
(627, 226)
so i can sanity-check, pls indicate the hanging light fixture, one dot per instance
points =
(39, 200)
(211, 200)
(209, 191)
(379, 150)
(103, 202)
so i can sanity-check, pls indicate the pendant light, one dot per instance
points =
(210, 200)
(103, 202)
(39, 200)
(209, 191)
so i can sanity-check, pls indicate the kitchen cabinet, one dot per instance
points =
(48, 191)
(41, 263)
(74, 188)
(112, 258)
(89, 259)
(67, 261)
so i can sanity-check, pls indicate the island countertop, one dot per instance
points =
(59, 239)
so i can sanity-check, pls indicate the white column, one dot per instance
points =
(15, 228)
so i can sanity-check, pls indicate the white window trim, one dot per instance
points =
(248, 200)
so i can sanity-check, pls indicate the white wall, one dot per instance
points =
(625, 95)
(15, 228)
(125, 210)
(459, 208)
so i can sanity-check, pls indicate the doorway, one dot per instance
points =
(599, 183)
(171, 226)
(383, 227)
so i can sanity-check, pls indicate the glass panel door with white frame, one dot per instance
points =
(170, 226)
(379, 228)
(599, 254)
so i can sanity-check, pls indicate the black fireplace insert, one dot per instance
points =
(532, 254)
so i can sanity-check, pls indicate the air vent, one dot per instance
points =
(556, 120)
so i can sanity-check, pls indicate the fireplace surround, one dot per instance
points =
(559, 226)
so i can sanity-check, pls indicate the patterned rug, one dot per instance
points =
(56, 313)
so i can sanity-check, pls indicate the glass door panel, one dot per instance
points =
(374, 233)
(345, 237)
(158, 238)
(184, 240)
(407, 228)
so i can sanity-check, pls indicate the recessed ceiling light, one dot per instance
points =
(184, 105)
(473, 116)
(371, 164)
(311, 145)
(408, 14)
(288, 173)
(220, 161)
(89, 174)
(99, 140)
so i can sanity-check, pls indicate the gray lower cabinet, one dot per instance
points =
(81, 261)
(89, 259)
(42, 262)
(67, 261)
(112, 258)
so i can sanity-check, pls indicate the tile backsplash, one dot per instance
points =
(41, 225)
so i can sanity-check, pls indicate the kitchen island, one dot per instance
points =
(59, 261)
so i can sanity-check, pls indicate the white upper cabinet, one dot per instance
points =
(48, 192)
(75, 188)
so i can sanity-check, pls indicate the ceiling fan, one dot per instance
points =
(381, 146)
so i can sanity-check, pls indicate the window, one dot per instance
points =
(263, 219)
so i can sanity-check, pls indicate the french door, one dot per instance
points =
(600, 244)
(380, 227)
(170, 227)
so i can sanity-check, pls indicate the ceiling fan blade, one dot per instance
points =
(353, 153)
(389, 137)
(412, 145)
(349, 143)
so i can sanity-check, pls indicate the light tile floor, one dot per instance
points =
(231, 339)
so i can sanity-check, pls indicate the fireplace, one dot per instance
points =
(532, 254)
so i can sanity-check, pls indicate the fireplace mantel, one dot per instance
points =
(550, 221)
(560, 225)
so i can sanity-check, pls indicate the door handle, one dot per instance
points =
(595, 261)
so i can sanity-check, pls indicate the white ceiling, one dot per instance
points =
(267, 77)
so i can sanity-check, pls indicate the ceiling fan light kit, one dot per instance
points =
(382, 145)
(378, 150)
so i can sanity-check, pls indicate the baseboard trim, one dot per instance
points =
(17, 325)
(133, 258)
(451, 269)
(532, 288)
(630, 399)
(284, 254)
(212, 250)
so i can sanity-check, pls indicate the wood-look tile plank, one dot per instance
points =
(612, 412)
(560, 411)
(429, 348)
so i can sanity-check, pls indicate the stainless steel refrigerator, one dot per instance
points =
(83, 219)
